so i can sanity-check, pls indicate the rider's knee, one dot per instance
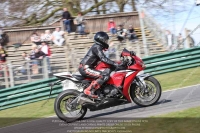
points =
(106, 74)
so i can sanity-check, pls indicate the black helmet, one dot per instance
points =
(101, 38)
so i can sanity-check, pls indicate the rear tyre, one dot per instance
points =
(65, 98)
(149, 98)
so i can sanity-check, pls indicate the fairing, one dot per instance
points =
(125, 52)
(102, 66)
(127, 84)
(124, 78)
(138, 64)
(117, 79)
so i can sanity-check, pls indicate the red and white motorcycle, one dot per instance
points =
(124, 86)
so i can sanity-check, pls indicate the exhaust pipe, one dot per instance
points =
(83, 100)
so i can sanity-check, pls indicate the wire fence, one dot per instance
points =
(155, 28)
(13, 74)
(178, 42)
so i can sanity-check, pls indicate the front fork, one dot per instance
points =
(139, 80)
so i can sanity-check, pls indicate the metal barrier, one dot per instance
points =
(173, 61)
(158, 64)
(27, 93)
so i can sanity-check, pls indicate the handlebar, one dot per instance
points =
(122, 66)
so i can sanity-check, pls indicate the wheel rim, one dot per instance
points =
(146, 96)
(67, 110)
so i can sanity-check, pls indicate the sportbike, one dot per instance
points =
(123, 86)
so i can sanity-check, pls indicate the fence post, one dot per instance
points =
(62, 25)
(6, 77)
(74, 61)
(138, 49)
(10, 68)
(187, 42)
(67, 57)
(28, 71)
(117, 52)
(45, 68)
(141, 17)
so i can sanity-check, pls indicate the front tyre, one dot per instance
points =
(148, 98)
(64, 111)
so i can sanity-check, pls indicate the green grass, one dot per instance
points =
(179, 79)
(186, 121)
(189, 113)
(26, 112)
(38, 110)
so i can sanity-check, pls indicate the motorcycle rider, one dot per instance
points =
(93, 56)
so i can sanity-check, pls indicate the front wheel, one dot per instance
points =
(150, 96)
(63, 109)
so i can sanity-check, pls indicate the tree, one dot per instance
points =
(121, 4)
(38, 12)
(26, 12)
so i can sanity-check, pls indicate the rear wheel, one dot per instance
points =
(150, 97)
(63, 109)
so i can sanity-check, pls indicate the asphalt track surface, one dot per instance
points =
(170, 101)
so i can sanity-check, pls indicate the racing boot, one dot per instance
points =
(91, 89)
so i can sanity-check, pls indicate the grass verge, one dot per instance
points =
(188, 113)
(185, 121)
(26, 112)
(179, 79)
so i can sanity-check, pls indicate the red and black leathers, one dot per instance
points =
(94, 55)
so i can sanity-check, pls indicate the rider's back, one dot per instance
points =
(91, 58)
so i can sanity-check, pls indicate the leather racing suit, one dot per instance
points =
(86, 68)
